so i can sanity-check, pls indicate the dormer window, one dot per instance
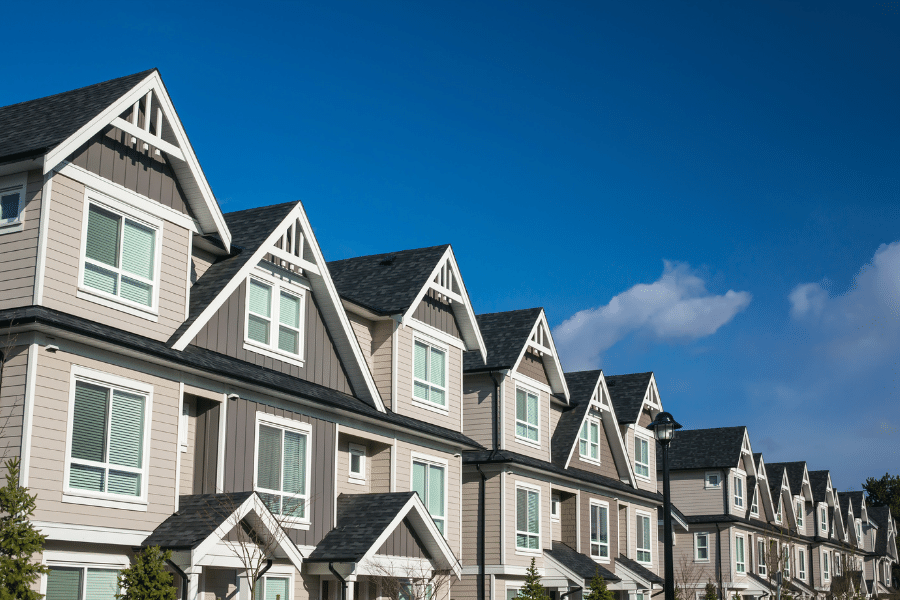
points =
(823, 519)
(778, 514)
(858, 531)
(527, 416)
(641, 457)
(274, 310)
(754, 504)
(589, 440)
(799, 513)
(738, 491)
(430, 373)
(12, 199)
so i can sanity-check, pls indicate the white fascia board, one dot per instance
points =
(625, 573)
(556, 374)
(203, 202)
(620, 452)
(551, 563)
(469, 330)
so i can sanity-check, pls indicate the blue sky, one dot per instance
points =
(706, 190)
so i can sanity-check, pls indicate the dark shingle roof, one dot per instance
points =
(640, 569)
(197, 518)
(504, 334)
(194, 357)
(34, 127)
(844, 502)
(386, 284)
(249, 229)
(857, 498)
(627, 393)
(354, 536)
(881, 516)
(794, 474)
(583, 566)
(775, 475)
(757, 458)
(719, 447)
(581, 386)
(818, 481)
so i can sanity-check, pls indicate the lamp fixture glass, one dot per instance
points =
(664, 427)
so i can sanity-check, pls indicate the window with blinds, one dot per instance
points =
(589, 440)
(282, 470)
(528, 519)
(120, 257)
(429, 373)
(273, 588)
(643, 539)
(11, 195)
(70, 583)
(740, 564)
(274, 317)
(599, 530)
(527, 415)
(107, 440)
(428, 480)
(641, 457)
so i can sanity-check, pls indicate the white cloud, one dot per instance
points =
(861, 326)
(676, 307)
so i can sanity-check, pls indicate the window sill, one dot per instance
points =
(601, 560)
(91, 296)
(428, 406)
(356, 480)
(527, 442)
(704, 561)
(588, 459)
(12, 227)
(266, 351)
(528, 552)
(645, 478)
(74, 498)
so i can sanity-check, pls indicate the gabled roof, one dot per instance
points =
(717, 448)
(846, 509)
(757, 459)
(355, 539)
(857, 499)
(639, 570)
(507, 337)
(795, 471)
(582, 566)
(627, 393)
(818, 481)
(386, 284)
(394, 284)
(882, 516)
(34, 127)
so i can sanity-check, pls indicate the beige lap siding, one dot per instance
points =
(403, 473)
(19, 249)
(67, 212)
(478, 408)
(690, 495)
(404, 402)
(523, 559)
(344, 485)
(12, 401)
(643, 483)
(50, 437)
(509, 422)
(607, 465)
(585, 521)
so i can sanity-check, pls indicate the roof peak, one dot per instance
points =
(84, 87)
(394, 252)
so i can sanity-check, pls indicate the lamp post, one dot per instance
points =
(664, 430)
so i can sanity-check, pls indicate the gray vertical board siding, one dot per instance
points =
(568, 519)
(532, 366)
(382, 353)
(240, 450)
(478, 408)
(19, 249)
(437, 313)
(67, 211)
(224, 333)
(471, 526)
(206, 446)
(13, 374)
(403, 541)
(585, 511)
(607, 466)
(109, 155)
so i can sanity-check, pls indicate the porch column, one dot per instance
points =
(193, 575)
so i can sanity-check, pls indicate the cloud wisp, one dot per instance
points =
(674, 308)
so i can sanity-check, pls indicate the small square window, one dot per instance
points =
(713, 480)
(357, 466)
(12, 200)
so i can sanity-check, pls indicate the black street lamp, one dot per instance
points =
(664, 429)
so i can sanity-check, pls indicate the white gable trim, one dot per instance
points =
(465, 314)
(186, 167)
(555, 374)
(333, 313)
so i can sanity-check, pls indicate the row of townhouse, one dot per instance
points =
(178, 377)
(751, 521)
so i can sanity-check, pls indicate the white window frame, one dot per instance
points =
(639, 514)
(779, 511)
(360, 451)
(698, 547)
(428, 404)
(438, 462)
(92, 197)
(799, 508)
(599, 557)
(638, 463)
(738, 493)
(801, 564)
(586, 425)
(520, 439)
(826, 571)
(786, 560)
(104, 499)
(761, 567)
(83, 561)
(528, 551)
(17, 183)
(280, 573)
(858, 531)
(297, 427)
(183, 423)
(754, 503)
(271, 349)
(740, 566)
(554, 507)
(707, 483)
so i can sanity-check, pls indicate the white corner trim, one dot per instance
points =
(178, 444)
(223, 431)
(28, 415)
(43, 228)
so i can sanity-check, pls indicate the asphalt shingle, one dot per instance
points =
(627, 394)
(639, 569)
(504, 335)
(818, 481)
(197, 518)
(580, 564)
(581, 385)
(716, 448)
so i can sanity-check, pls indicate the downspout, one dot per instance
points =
(481, 536)
(496, 407)
(574, 590)
(341, 579)
(719, 559)
(183, 575)
(263, 572)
